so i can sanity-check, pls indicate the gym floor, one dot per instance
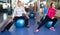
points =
(30, 31)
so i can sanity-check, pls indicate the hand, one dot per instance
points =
(27, 17)
(11, 19)
(53, 17)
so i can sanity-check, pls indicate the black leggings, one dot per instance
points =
(15, 19)
(46, 20)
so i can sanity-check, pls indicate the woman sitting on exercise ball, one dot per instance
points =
(18, 13)
(50, 17)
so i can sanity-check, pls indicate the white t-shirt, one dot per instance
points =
(18, 11)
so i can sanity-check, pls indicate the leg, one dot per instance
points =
(9, 25)
(44, 22)
(26, 23)
(40, 20)
(54, 21)
(3, 30)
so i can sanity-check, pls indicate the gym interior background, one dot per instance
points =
(7, 7)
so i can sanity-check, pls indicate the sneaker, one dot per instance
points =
(36, 31)
(3, 30)
(52, 28)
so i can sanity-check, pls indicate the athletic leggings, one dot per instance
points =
(14, 20)
(46, 20)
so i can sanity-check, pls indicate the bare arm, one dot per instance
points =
(26, 14)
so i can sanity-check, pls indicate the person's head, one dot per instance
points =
(52, 5)
(30, 5)
(19, 3)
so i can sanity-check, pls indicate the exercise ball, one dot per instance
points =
(49, 24)
(20, 23)
(32, 15)
(56, 25)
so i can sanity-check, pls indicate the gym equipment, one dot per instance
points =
(49, 23)
(20, 23)
(32, 15)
